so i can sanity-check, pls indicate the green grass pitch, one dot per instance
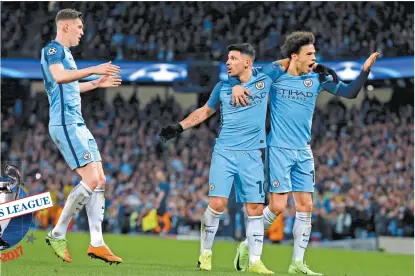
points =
(144, 255)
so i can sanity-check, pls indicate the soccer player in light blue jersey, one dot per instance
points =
(70, 134)
(237, 153)
(290, 162)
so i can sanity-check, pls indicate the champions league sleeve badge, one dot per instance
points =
(16, 207)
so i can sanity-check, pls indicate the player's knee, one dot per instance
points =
(277, 207)
(102, 180)
(304, 206)
(303, 202)
(217, 204)
(93, 182)
(254, 209)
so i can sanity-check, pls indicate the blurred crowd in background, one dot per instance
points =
(177, 31)
(363, 156)
(364, 168)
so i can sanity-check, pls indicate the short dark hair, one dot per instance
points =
(244, 48)
(295, 41)
(68, 14)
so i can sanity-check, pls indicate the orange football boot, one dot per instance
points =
(103, 253)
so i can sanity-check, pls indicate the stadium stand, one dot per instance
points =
(364, 166)
(363, 155)
(169, 31)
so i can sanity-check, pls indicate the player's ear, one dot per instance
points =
(294, 56)
(65, 27)
(248, 62)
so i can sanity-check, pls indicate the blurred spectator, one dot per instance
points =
(167, 31)
(364, 168)
(341, 228)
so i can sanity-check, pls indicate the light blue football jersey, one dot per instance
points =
(64, 99)
(243, 128)
(293, 100)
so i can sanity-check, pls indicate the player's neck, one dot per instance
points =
(292, 70)
(62, 41)
(245, 76)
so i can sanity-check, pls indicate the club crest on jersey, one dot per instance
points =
(308, 82)
(211, 187)
(260, 85)
(87, 155)
(51, 51)
(276, 183)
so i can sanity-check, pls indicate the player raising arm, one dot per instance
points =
(290, 162)
(70, 134)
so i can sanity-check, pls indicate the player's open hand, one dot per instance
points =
(170, 131)
(106, 69)
(239, 94)
(109, 81)
(370, 61)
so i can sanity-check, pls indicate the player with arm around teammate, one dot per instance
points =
(290, 162)
(236, 157)
(70, 134)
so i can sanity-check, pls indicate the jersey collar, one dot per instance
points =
(66, 48)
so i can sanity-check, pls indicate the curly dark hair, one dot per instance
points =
(68, 14)
(295, 41)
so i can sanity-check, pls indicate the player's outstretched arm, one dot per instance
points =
(103, 82)
(195, 118)
(61, 75)
(351, 90)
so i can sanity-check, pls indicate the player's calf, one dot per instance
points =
(208, 228)
(276, 206)
(301, 233)
(278, 203)
(255, 237)
(303, 201)
(95, 209)
(77, 198)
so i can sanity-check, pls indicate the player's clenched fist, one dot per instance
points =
(106, 69)
(170, 131)
(324, 71)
